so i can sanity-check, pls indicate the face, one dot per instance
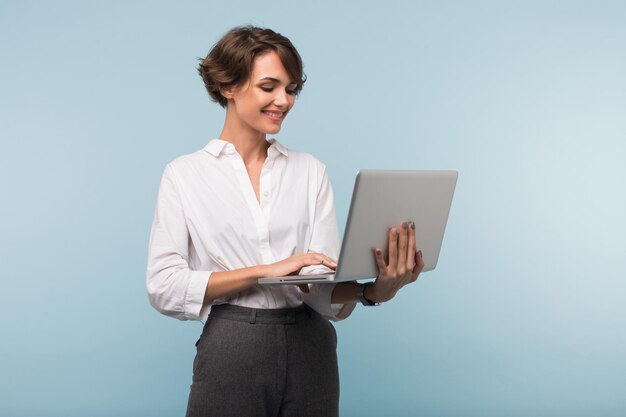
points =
(262, 103)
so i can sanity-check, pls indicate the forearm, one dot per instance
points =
(348, 292)
(223, 284)
(345, 292)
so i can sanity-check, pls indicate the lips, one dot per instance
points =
(275, 116)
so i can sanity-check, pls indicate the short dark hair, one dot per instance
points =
(229, 63)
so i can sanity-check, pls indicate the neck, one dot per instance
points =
(249, 143)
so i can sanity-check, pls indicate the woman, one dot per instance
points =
(245, 207)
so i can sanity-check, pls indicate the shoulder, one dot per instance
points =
(188, 164)
(190, 160)
(304, 167)
(300, 160)
(305, 158)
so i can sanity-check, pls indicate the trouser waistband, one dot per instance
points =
(260, 315)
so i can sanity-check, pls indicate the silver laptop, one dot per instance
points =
(383, 199)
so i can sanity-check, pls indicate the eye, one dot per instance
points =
(267, 89)
(291, 91)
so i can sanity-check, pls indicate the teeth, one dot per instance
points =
(273, 114)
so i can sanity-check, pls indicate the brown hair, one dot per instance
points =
(229, 63)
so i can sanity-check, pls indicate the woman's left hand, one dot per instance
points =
(403, 267)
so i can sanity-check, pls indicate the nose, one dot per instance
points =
(281, 98)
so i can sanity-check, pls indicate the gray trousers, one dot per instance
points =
(255, 362)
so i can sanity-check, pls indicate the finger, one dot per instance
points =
(419, 265)
(393, 249)
(304, 288)
(320, 259)
(313, 258)
(420, 262)
(402, 241)
(330, 262)
(380, 262)
(410, 249)
(327, 261)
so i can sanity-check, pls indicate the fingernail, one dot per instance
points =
(413, 225)
(393, 231)
(379, 252)
(419, 253)
(404, 225)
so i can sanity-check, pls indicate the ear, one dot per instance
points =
(227, 92)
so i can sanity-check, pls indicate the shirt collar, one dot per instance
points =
(276, 145)
(216, 147)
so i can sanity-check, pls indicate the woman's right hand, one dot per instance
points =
(293, 264)
(226, 283)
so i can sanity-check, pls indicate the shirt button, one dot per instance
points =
(266, 194)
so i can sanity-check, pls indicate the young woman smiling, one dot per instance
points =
(246, 207)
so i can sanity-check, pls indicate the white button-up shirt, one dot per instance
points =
(208, 219)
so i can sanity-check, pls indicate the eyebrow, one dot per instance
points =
(275, 80)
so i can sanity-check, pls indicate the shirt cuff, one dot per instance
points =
(194, 298)
(319, 298)
(342, 311)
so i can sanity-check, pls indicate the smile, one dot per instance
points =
(274, 115)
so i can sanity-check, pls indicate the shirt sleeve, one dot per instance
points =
(173, 288)
(325, 239)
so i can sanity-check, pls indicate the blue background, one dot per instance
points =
(525, 314)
